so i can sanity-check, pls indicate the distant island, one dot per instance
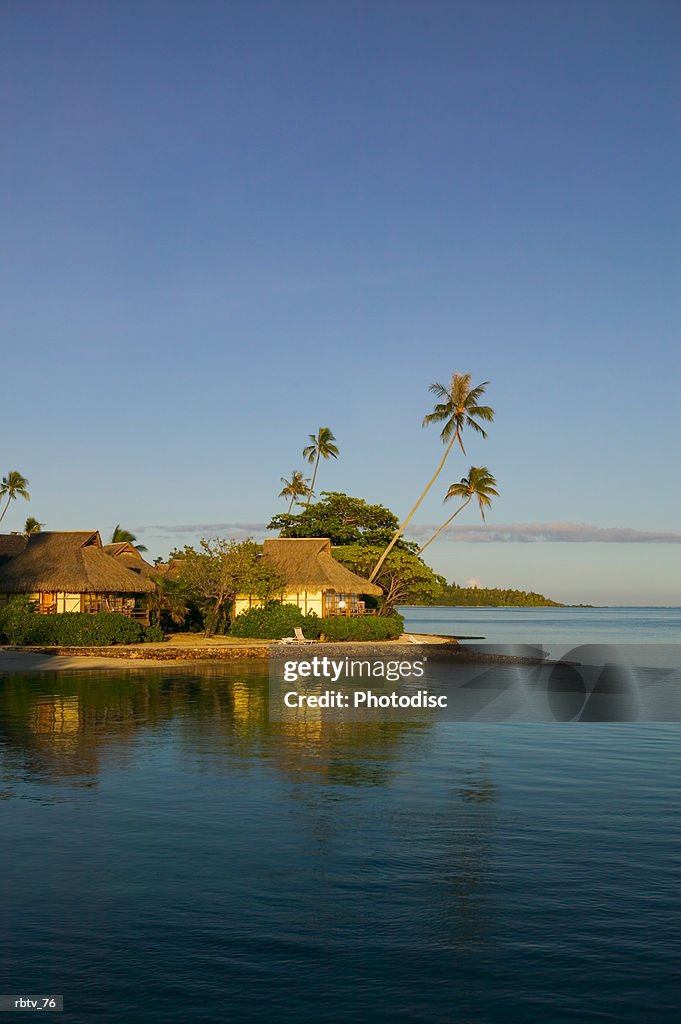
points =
(450, 594)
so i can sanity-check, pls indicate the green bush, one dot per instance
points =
(21, 626)
(364, 627)
(273, 622)
(153, 634)
(279, 620)
(16, 618)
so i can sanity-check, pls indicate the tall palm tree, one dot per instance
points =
(120, 536)
(32, 526)
(458, 408)
(294, 488)
(478, 484)
(13, 486)
(322, 446)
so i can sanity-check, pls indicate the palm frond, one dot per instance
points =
(476, 426)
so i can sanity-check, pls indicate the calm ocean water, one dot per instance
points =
(564, 626)
(171, 855)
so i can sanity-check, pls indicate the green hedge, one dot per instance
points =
(279, 620)
(20, 625)
(274, 622)
(364, 627)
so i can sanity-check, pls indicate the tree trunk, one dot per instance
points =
(5, 508)
(314, 477)
(448, 521)
(213, 617)
(406, 522)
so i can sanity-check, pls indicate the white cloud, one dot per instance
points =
(520, 533)
(569, 533)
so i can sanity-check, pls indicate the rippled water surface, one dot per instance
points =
(172, 856)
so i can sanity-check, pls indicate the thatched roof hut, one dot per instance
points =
(306, 563)
(127, 554)
(69, 562)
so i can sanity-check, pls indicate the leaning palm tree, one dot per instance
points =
(13, 486)
(32, 526)
(458, 408)
(296, 487)
(322, 446)
(478, 484)
(120, 536)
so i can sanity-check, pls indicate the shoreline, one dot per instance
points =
(25, 660)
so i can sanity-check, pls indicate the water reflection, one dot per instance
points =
(325, 815)
(311, 870)
(59, 729)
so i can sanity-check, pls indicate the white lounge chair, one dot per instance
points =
(297, 639)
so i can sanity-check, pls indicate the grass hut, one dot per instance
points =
(127, 554)
(313, 579)
(71, 572)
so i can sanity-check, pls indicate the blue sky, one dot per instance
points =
(227, 224)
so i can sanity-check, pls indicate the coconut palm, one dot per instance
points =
(458, 408)
(120, 536)
(170, 598)
(32, 526)
(478, 484)
(13, 486)
(322, 446)
(296, 487)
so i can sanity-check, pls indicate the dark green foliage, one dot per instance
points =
(344, 520)
(153, 634)
(279, 620)
(364, 627)
(21, 626)
(490, 597)
(273, 622)
(16, 619)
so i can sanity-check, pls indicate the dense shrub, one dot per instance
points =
(279, 620)
(153, 634)
(273, 622)
(364, 627)
(22, 626)
(16, 618)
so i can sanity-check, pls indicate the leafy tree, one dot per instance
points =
(13, 486)
(404, 577)
(322, 446)
(222, 569)
(32, 526)
(297, 487)
(479, 484)
(458, 408)
(343, 519)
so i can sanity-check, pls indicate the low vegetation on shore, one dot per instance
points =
(492, 597)
(22, 626)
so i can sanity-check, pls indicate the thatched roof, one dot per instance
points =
(126, 554)
(73, 563)
(10, 545)
(307, 563)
